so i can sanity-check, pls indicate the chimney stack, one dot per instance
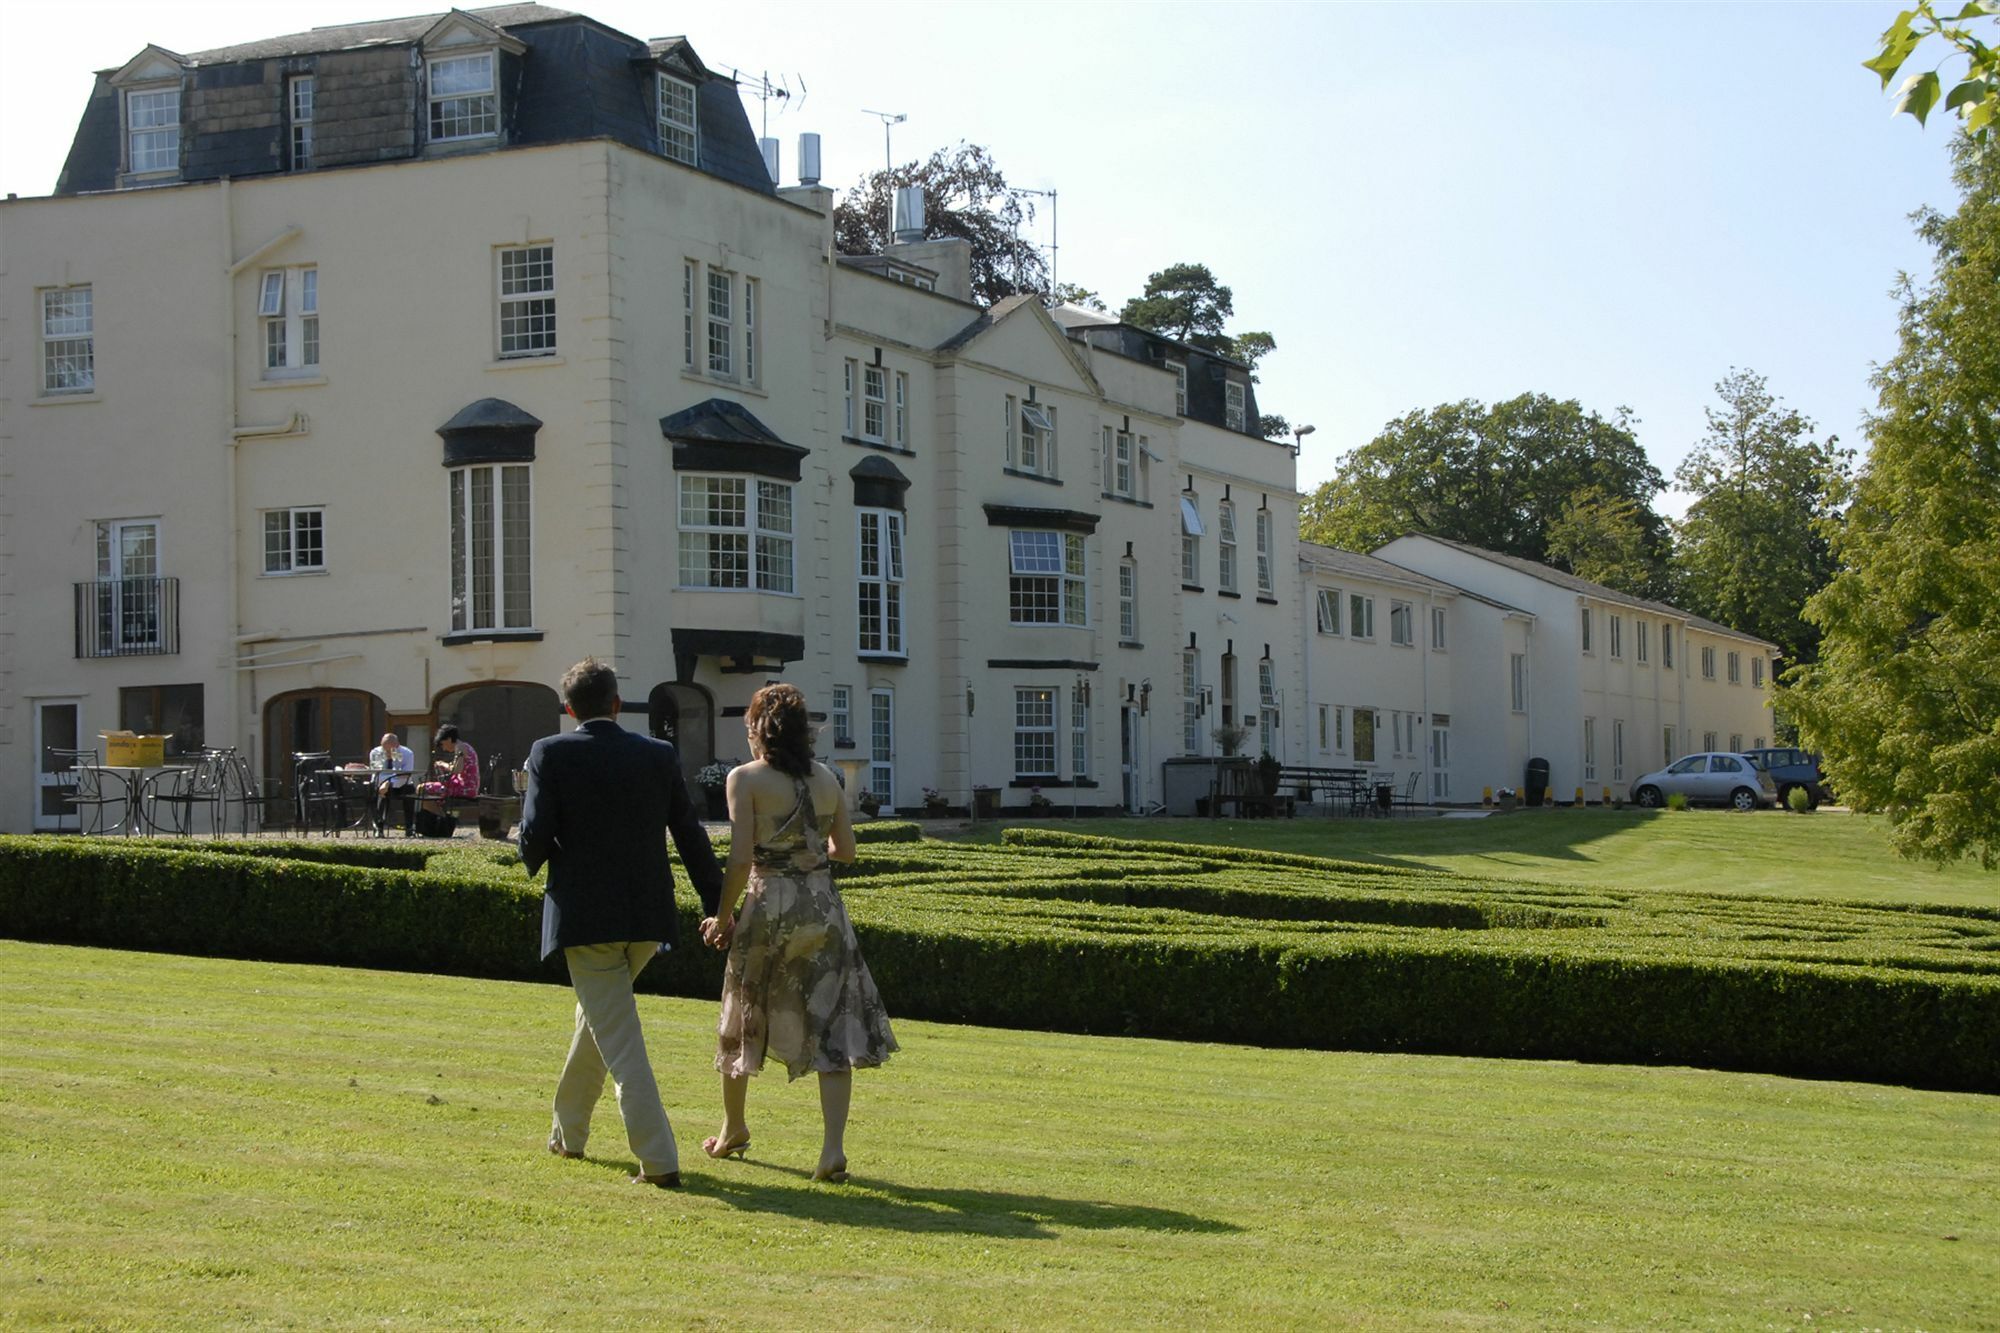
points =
(808, 159)
(769, 148)
(909, 214)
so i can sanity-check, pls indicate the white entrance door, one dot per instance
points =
(56, 728)
(1440, 763)
(882, 746)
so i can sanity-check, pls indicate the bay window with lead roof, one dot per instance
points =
(491, 587)
(880, 552)
(1047, 585)
(736, 533)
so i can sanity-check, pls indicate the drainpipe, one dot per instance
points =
(239, 680)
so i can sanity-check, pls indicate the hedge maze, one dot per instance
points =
(1064, 931)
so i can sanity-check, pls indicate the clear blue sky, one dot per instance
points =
(1615, 203)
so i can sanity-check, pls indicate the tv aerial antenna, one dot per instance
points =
(766, 90)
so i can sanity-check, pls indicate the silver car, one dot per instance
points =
(1711, 778)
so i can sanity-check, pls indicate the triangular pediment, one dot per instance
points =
(460, 29)
(155, 64)
(1017, 337)
(674, 55)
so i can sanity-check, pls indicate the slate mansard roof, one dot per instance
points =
(561, 77)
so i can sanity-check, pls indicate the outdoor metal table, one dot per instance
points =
(133, 778)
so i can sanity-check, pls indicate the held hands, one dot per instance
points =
(716, 931)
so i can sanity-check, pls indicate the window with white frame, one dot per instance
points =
(1708, 740)
(1708, 665)
(1735, 741)
(1585, 628)
(1128, 601)
(1264, 585)
(1329, 611)
(1667, 744)
(1666, 645)
(1079, 734)
(69, 340)
(153, 130)
(721, 324)
(1618, 636)
(288, 308)
(1590, 749)
(1190, 541)
(1047, 585)
(1190, 702)
(1642, 632)
(1437, 629)
(295, 541)
(1232, 394)
(690, 274)
(1325, 728)
(874, 402)
(1360, 616)
(527, 300)
(840, 712)
(464, 103)
(1225, 546)
(1036, 450)
(1402, 624)
(1735, 669)
(1518, 681)
(1013, 428)
(901, 410)
(1340, 728)
(1034, 733)
(1179, 368)
(680, 134)
(723, 521)
(1617, 749)
(849, 379)
(1121, 462)
(1756, 672)
(1267, 711)
(749, 336)
(490, 552)
(880, 561)
(1364, 735)
(300, 88)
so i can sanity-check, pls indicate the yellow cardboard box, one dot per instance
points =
(124, 749)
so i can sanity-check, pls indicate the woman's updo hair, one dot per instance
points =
(447, 732)
(781, 729)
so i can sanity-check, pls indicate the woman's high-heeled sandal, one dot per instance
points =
(716, 1148)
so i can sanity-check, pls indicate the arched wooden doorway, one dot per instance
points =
(343, 723)
(501, 720)
(685, 715)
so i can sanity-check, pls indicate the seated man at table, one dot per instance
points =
(395, 765)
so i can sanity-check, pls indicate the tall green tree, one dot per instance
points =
(1975, 92)
(1904, 700)
(965, 197)
(1754, 545)
(1186, 303)
(1505, 478)
(1602, 538)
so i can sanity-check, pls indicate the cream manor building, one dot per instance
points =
(366, 378)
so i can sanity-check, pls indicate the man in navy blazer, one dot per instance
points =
(599, 805)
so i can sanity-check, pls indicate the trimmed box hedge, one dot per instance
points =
(1057, 930)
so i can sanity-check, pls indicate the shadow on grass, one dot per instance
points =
(862, 1202)
(1508, 839)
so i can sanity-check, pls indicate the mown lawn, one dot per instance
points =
(1827, 854)
(201, 1142)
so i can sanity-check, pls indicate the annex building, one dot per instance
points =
(366, 378)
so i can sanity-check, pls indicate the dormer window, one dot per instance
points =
(679, 133)
(153, 128)
(1233, 405)
(464, 101)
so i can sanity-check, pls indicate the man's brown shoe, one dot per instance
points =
(670, 1181)
(556, 1147)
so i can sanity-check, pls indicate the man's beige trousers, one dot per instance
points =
(608, 1037)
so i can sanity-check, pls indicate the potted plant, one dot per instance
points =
(935, 804)
(1039, 804)
(868, 802)
(1229, 739)
(713, 779)
(1267, 772)
(1506, 798)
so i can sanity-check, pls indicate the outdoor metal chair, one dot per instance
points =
(94, 795)
(1406, 799)
(170, 799)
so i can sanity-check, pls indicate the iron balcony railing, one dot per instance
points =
(128, 617)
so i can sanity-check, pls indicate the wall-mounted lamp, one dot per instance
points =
(1298, 434)
(1145, 695)
(968, 701)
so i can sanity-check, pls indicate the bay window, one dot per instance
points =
(880, 582)
(490, 548)
(1046, 586)
(736, 532)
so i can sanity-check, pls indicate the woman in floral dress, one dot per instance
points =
(459, 775)
(795, 989)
